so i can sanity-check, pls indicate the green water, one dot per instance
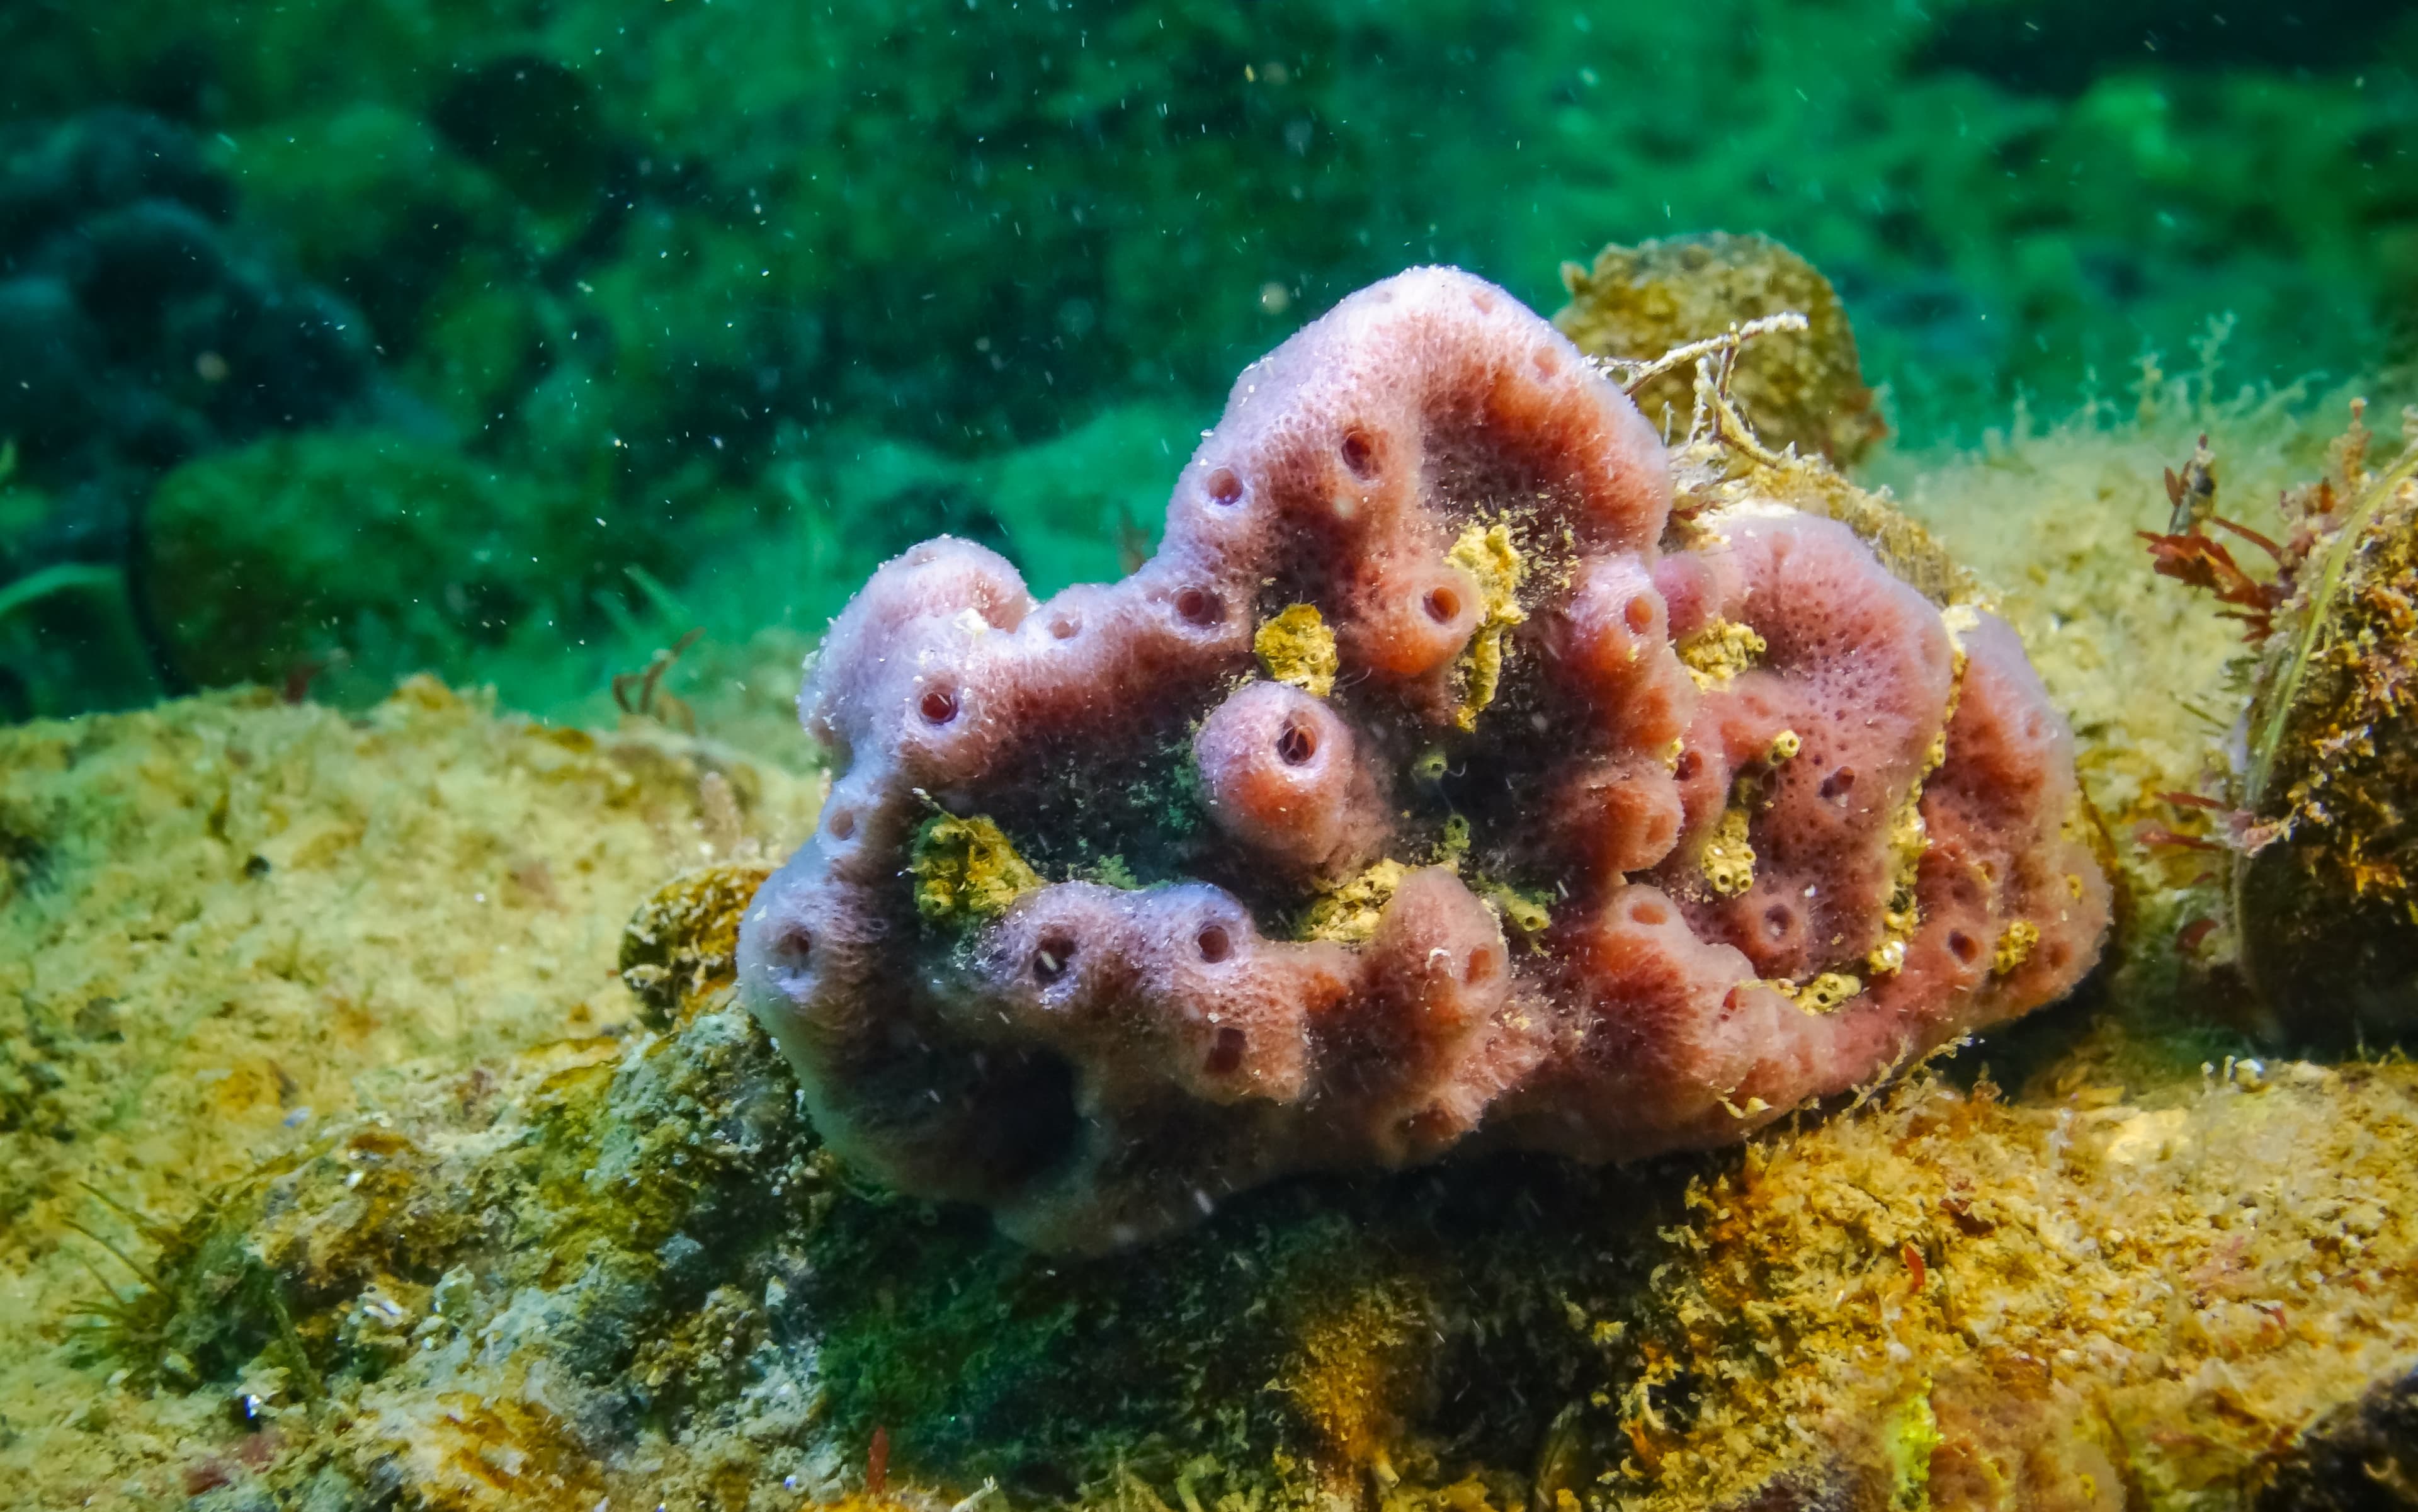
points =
(511, 340)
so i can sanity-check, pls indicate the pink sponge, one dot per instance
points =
(1428, 784)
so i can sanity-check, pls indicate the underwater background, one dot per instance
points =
(511, 340)
(435, 432)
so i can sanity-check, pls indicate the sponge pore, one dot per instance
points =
(1428, 785)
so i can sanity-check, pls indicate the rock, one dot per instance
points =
(1804, 389)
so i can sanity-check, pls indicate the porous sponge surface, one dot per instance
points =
(1613, 834)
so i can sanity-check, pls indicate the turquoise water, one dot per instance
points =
(509, 341)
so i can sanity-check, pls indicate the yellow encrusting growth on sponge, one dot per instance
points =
(1297, 647)
(1523, 912)
(2014, 946)
(1486, 554)
(1728, 862)
(967, 870)
(1909, 836)
(1455, 842)
(1720, 652)
(1349, 914)
(1825, 994)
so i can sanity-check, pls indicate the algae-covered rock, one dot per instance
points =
(1802, 388)
(2326, 890)
(2089, 1291)
(546, 1257)
(2270, 858)
(2357, 1457)
(682, 946)
(225, 925)
(364, 554)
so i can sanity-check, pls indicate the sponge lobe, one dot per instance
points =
(1832, 730)
(1604, 836)
(1282, 776)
